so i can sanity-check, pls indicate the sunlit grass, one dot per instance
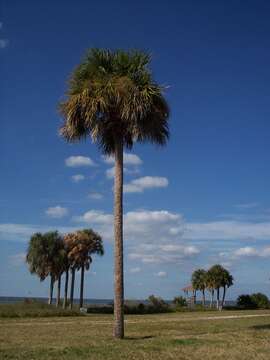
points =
(168, 336)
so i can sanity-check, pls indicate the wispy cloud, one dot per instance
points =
(17, 259)
(249, 251)
(135, 270)
(77, 178)
(129, 159)
(146, 182)
(161, 274)
(3, 43)
(57, 212)
(250, 205)
(95, 196)
(77, 161)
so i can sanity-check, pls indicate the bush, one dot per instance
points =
(133, 308)
(261, 300)
(34, 309)
(180, 301)
(246, 302)
(254, 301)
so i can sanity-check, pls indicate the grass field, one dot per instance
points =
(226, 335)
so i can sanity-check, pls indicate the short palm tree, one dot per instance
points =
(89, 243)
(70, 240)
(198, 280)
(35, 256)
(43, 257)
(227, 282)
(113, 99)
(215, 273)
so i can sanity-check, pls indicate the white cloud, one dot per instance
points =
(95, 196)
(135, 270)
(77, 161)
(146, 182)
(77, 178)
(149, 230)
(111, 171)
(17, 259)
(246, 251)
(95, 217)
(57, 212)
(3, 43)
(185, 250)
(249, 251)
(22, 232)
(129, 159)
(161, 274)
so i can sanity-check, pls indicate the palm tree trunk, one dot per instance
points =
(66, 290)
(217, 298)
(58, 291)
(223, 297)
(118, 245)
(203, 297)
(81, 288)
(51, 290)
(72, 288)
(212, 298)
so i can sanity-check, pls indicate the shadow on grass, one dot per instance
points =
(186, 341)
(138, 337)
(261, 327)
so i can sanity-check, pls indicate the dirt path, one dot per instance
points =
(130, 321)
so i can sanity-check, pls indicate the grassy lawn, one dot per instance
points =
(166, 336)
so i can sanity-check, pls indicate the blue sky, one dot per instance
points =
(202, 200)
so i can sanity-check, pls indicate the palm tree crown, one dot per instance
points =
(112, 96)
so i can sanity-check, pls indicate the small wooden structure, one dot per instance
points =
(190, 295)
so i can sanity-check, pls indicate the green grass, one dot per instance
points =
(190, 336)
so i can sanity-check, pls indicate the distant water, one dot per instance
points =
(14, 299)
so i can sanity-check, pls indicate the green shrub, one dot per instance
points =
(261, 300)
(246, 302)
(180, 301)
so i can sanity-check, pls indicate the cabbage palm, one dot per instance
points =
(113, 99)
(89, 243)
(43, 257)
(198, 280)
(216, 273)
(227, 282)
(71, 264)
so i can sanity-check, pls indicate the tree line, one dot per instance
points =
(212, 280)
(51, 255)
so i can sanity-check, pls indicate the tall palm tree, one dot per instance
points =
(198, 280)
(113, 99)
(89, 243)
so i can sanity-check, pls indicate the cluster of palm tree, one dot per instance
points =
(212, 280)
(52, 255)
